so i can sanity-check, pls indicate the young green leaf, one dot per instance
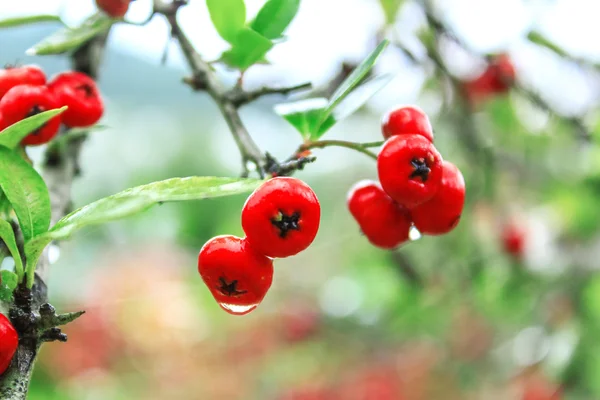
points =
(390, 9)
(228, 17)
(67, 39)
(28, 19)
(8, 237)
(248, 48)
(8, 283)
(14, 134)
(133, 201)
(360, 95)
(27, 193)
(305, 116)
(354, 79)
(274, 17)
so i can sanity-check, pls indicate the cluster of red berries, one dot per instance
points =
(9, 341)
(496, 79)
(24, 92)
(280, 219)
(114, 8)
(417, 187)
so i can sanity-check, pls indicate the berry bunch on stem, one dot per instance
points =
(417, 187)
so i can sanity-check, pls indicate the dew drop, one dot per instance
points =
(414, 234)
(236, 309)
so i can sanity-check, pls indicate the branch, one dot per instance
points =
(205, 78)
(538, 39)
(407, 269)
(360, 147)
(240, 97)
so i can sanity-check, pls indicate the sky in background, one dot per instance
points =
(326, 32)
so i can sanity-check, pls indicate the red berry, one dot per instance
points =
(442, 213)
(114, 8)
(281, 218)
(503, 72)
(410, 169)
(384, 222)
(513, 240)
(236, 274)
(406, 120)
(25, 101)
(26, 75)
(9, 341)
(80, 93)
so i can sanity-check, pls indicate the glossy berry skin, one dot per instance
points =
(281, 218)
(25, 101)
(442, 213)
(25, 75)
(410, 169)
(79, 92)
(9, 341)
(236, 274)
(114, 8)
(384, 222)
(406, 120)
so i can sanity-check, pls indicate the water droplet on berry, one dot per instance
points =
(414, 234)
(236, 309)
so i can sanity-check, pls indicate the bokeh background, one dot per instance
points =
(343, 319)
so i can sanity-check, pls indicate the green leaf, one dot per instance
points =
(8, 283)
(28, 19)
(14, 134)
(248, 48)
(67, 39)
(8, 237)
(359, 96)
(353, 79)
(305, 116)
(274, 17)
(390, 9)
(27, 193)
(228, 17)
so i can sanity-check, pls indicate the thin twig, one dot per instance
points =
(360, 147)
(239, 97)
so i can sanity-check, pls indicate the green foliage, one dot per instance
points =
(228, 17)
(314, 117)
(390, 9)
(305, 116)
(353, 80)
(28, 19)
(248, 48)
(8, 237)
(274, 17)
(8, 283)
(14, 134)
(68, 39)
(133, 201)
(26, 191)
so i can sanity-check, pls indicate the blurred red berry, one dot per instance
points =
(114, 8)
(384, 222)
(281, 218)
(25, 101)
(407, 120)
(80, 93)
(237, 275)
(513, 240)
(442, 213)
(410, 169)
(25, 75)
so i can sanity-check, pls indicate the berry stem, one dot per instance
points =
(360, 147)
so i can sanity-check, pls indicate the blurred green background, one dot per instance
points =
(343, 320)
